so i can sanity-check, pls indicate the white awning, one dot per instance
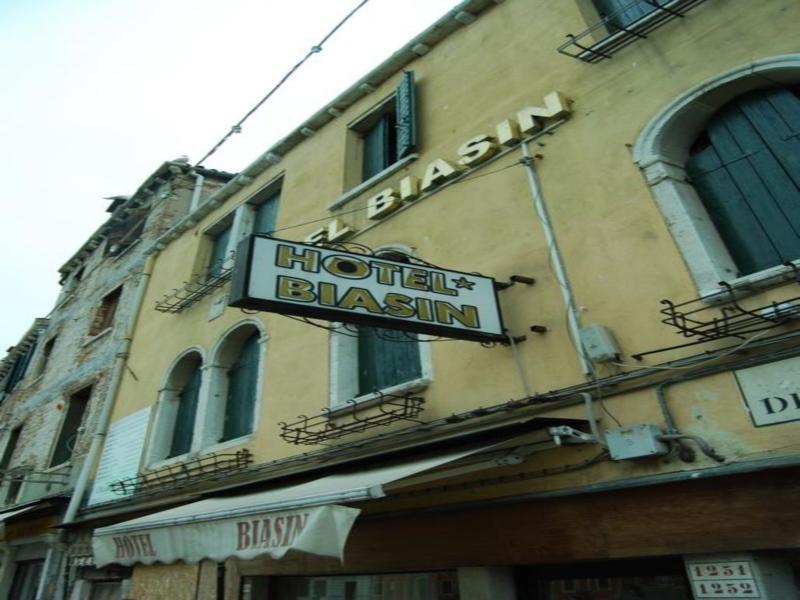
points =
(302, 517)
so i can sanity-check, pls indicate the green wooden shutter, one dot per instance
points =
(383, 363)
(623, 12)
(406, 116)
(749, 178)
(266, 214)
(376, 148)
(183, 432)
(219, 252)
(242, 391)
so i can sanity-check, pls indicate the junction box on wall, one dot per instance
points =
(599, 344)
(636, 441)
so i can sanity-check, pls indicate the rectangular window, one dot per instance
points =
(389, 132)
(104, 315)
(25, 584)
(365, 360)
(47, 351)
(8, 452)
(70, 427)
(386, 358)
(219, 253)
(20, 367)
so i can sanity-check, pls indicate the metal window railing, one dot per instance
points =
(617, 30)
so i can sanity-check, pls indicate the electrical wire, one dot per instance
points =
(315, 49)
(693, 365)
(363, 208)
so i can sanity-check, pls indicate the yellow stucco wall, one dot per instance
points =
(619, 255)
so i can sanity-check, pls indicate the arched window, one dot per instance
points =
(187, 397)
(721, 163)
(746, 168)
(242, 390)
(234, 384)
(176, 416)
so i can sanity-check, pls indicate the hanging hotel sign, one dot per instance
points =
(310, 281)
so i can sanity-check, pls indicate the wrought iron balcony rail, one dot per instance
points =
(184, 474)
(617, 30)
(194, 290)
(331, 424)
(722, 315)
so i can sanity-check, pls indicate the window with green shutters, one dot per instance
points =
(265, 214)
(389, 133)
(242, 390)
(183, 431)
(386, 358)
(746, 169)
(219, 252)
(380, 150)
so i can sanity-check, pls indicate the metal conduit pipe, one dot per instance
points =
(556, 260)
(705, 447)
(199, 180)
(104, 420)
(588, 402)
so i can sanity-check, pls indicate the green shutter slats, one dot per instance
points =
(375, 148)
(184, 419)
(406, 116)
(744, 235)
(383, 363)
(266, 215)
(749, 179)
(778, 116)
(242, 391)
(219, 252)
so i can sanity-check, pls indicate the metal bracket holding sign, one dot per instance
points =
(310, 281)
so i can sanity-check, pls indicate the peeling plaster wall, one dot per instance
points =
(39, 401)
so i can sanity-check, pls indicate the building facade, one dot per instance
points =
(627, 173)
(58, 383)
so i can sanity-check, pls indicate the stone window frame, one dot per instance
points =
(214, 387)
(240, 220)
(661, 151)
(344, 363)
(163, 427)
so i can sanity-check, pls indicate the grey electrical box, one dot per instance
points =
(638, 441)
(599, 344)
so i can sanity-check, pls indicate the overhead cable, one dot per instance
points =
(315, 49)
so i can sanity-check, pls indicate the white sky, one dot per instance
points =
(95, 94)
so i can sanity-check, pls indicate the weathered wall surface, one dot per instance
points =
(618, 251)
(79, 359)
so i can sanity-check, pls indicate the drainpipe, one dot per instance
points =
(556, 261)
(98, 439)
(199, 180)
(120, 361)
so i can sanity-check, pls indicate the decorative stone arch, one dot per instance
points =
(211, 413)
(173, 381)
(661, 152)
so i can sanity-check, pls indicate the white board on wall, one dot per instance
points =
(121, 455)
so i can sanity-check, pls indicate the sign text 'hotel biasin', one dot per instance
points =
(317, 282)
(310, 281)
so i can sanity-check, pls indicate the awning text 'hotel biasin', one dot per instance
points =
(305, 517)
